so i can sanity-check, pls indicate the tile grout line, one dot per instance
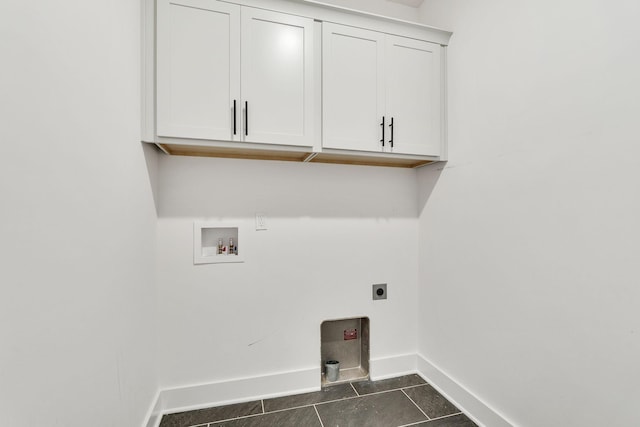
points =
(391, 389)
(274, 411)
(232, 419)
(412, 401)
(416, 386)
(414, 424)
(383, 391)
(346, 398)
(258, 415)
(323, 403)
(354, 389)
(313, 404)
(358, 395)
(447, 416)
(318, 414)
(210, 423)
(432, 419)
(353, 397)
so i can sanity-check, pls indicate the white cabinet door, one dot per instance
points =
(353, 88)
(370, 78)
(198, 69)
(413, 95)
(277, 78)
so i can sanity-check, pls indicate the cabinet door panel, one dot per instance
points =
(198, 69)
(277, 77)
(353, 91)
(413, 95)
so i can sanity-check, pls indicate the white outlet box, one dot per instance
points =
(261, 221)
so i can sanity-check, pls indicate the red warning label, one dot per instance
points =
(350, 334)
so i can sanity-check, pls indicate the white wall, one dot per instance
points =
(77, 221)
(334, 231)
(529, 242)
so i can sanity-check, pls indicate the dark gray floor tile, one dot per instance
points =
(327, 394)
(459, 420)
(430, 401)
(201, 416)
(300, 417)
(368, 387)
(379, 410)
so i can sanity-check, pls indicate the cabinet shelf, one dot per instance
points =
(337, 157)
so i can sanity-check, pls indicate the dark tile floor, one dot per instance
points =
(395, 402)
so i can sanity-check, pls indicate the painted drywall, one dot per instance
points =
(380, 7)
(77, 220)
(529, 240)
(333, 231)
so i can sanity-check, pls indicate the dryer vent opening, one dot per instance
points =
(344, 342)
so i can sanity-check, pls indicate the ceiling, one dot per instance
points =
(412, 3)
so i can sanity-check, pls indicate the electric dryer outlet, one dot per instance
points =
(379, 291)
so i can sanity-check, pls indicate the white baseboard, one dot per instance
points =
(474, 408)
(262, 387)
(393, 366)
(155, 412)
(233, 391)
(302, 381)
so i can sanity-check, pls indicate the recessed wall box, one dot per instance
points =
(345, 341)
(216, 243)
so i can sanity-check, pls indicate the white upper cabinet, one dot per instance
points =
(234, 73)
(292, 80)
(414, 103)
(277, 77)
(381, 93)
(198, 68)
(353, 90)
